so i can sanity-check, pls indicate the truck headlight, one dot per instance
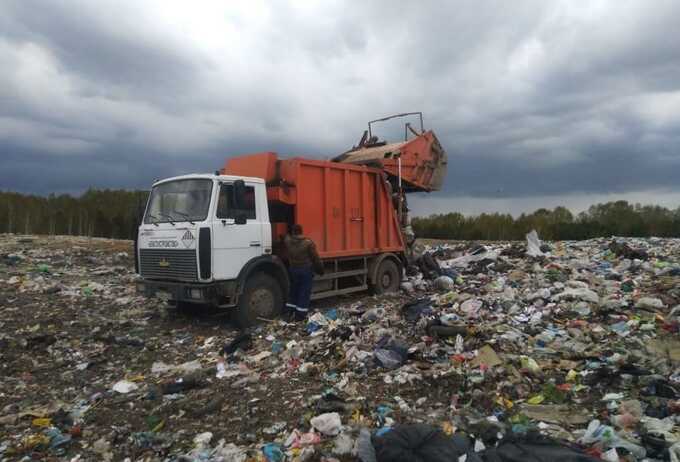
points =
(196, 294)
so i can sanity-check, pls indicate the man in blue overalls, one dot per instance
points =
(304, 261)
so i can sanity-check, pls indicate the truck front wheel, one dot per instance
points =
(387, 278)
(261, 298)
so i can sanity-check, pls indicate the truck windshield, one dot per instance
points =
(181, 200)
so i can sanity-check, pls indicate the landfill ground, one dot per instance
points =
(515, 338)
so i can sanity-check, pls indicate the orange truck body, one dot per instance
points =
(420, 162)
(346, 209)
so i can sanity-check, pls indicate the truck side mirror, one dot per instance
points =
(240, 218)
(239, 194)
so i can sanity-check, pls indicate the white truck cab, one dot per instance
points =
(220, 239)
(204, 239)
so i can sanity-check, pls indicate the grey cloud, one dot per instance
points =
(530, 98)
(113, 55)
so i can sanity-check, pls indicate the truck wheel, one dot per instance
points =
(387, 278)
(261, 298)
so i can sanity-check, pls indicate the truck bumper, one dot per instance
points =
(182, 291)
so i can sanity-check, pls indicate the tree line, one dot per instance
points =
(618, 218)
(97, 213)
(116, 214)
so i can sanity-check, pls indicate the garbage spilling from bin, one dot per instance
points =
(501, 351)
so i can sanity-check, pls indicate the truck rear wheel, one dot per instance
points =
(387, 278)
(261, 298)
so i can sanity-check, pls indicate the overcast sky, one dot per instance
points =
(536, 102)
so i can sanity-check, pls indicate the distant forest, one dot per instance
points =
(97, 213)
(601, 220)
(115, 214)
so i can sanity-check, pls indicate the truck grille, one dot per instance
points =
(177, 265)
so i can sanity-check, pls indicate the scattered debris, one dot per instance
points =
(567, 350)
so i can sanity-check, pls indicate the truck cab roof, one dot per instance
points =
(209, 176)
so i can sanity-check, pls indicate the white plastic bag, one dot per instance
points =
(534, 245)
(329, 424)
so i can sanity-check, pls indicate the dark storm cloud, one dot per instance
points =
(100, 48)
(529, 98)
(126, 168)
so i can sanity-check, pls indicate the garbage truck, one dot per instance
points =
(217, 238)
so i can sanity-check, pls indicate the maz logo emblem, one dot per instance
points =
(188, 239)
(163, 263)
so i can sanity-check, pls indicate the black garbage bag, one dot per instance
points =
(425, 443)
(391, 352)
(243, 341)
(661, 388)
(533, 448)
(429, 266)
(623, 250)
(420, 443)
(415, 309)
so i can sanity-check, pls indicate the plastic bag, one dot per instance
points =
(419, 443)
(364, 447)
(329, 424)
(388, 359)
(443, 283)
(471, 307)
(534, 245)
(608, 438)
(273, 453)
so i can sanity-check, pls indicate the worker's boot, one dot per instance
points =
(301, 314)
(289, 312)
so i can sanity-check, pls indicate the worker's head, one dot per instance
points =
(296, 230)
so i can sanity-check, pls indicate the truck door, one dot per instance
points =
(235, 244)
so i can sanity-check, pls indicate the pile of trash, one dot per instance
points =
(497, 352)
